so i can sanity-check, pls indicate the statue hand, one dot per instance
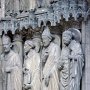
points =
(70, 56)
(60, 65)
(73, 57)
(8, 70)
(47, 79)
(44, 56)
(28, 86)
(24, 71)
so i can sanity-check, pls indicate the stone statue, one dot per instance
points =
(65, 61)
(16, 6)
(1, 50)
(72, 61)
(76, 61)
(12, 67)
(31, 67)
(39, 3)
(32, 5)
(50, 57)
(26, 5)
(0, 3)
(57, 40)
(37, 43)
(9, 6)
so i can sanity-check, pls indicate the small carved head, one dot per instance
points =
(28, 45)
(67, 37)
(46, 37)
(37, 43)
(6, 43)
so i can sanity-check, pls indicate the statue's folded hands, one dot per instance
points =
(8, 70)
(47, 79)
(28, 86)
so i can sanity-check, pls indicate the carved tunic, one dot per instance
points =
(51, 69)
(9, 6)
(13, 79)
(64, 74)
(76, 65)
(27, 4)
(32, 63)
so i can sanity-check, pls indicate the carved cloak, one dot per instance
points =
(51, 69)
(13, 80)
(33, 64)
(64, 73)
(76, 65)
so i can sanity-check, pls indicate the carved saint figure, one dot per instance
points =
(31, 67)
(12, 67)
(65, 61)
(50, 57)
(72, 61)
(76, 61)
(26, 5)
(9, 6)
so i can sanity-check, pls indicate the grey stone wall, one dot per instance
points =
(86, 50)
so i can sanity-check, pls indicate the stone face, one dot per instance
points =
(12, 67)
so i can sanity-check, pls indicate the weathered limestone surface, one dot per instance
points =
(87, 56)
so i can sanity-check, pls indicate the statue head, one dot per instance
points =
(6, 43)
(37, 43)
(67, 36)
(76, 34)
(46, 37)
(28, 45)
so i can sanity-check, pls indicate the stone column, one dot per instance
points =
(16, 6)
(24, 5)
(83, 48)
(2, 15)
(86, 80)
(1, 49)
(32, 4)
(18, 47)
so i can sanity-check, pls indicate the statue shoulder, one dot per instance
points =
(2, 57)
(14, 54)
(55, 48)
(74, 44)
(54, 45)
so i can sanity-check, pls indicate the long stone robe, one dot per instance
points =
(13, 79)
(76, 65)
(9, 6)
(32, 4)
(33, 64)
(50, 68)
(27, 4)
(64, 73)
